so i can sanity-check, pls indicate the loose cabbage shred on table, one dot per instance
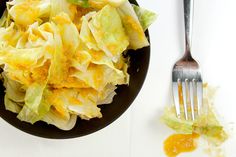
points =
(206, 125)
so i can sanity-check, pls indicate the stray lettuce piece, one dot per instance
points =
(133, 28)
(146, 17)
(179, 125)
(107, 29)
(206, 125)
(82, 3)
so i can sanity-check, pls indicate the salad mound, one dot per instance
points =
(63, 58)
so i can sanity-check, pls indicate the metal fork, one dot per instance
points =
(186, 75)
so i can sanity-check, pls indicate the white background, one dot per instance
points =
(138, 132)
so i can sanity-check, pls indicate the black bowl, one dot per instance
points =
(124, 98)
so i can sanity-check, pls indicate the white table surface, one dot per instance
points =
(138, 132)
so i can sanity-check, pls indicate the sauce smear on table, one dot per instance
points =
(180, 143)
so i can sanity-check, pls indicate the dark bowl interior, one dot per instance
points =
(124, 98)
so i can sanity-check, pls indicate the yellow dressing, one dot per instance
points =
(180, 143)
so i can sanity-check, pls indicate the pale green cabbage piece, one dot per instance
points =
(28, 115)
(86, 35)
(20, 58)
(11, 105)
(9, 36)
(68, 32)
(5, 19)
(81, 60)
(14, 90)
(107, 29)
(82, 3)
(107, 95)
(33, 96)
(133, 28)
(146, 17)
(98, 76)
(57, 71)
(179, 125)
(59, 6)
(52, 118)
(97, 4)
(101, 3)
(36, 105)
(206, 125)
(35, 10)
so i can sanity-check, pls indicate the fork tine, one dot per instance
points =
(191, 95)
(184, 91)
(175, 88)
(195, 101)
(199, 97)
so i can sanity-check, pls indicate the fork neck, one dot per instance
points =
(188, 20)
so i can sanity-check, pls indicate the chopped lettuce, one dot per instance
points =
(81, 61)
(20, 58)
(98, 76)
(57, 71)
(133, 28)
(27, 12)
(11, 105)
(146, 17)
(33, 96)
(62, 6)
(107, 29)
(86, 35)
(179, 125)
(9, 36)
(82, 3)
(28, 115)
(68, 31)
(99, 4)
(52, 118)
(4, 20)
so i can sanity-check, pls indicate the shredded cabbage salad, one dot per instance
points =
(63, 58)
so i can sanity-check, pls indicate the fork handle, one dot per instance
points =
(188, 20)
